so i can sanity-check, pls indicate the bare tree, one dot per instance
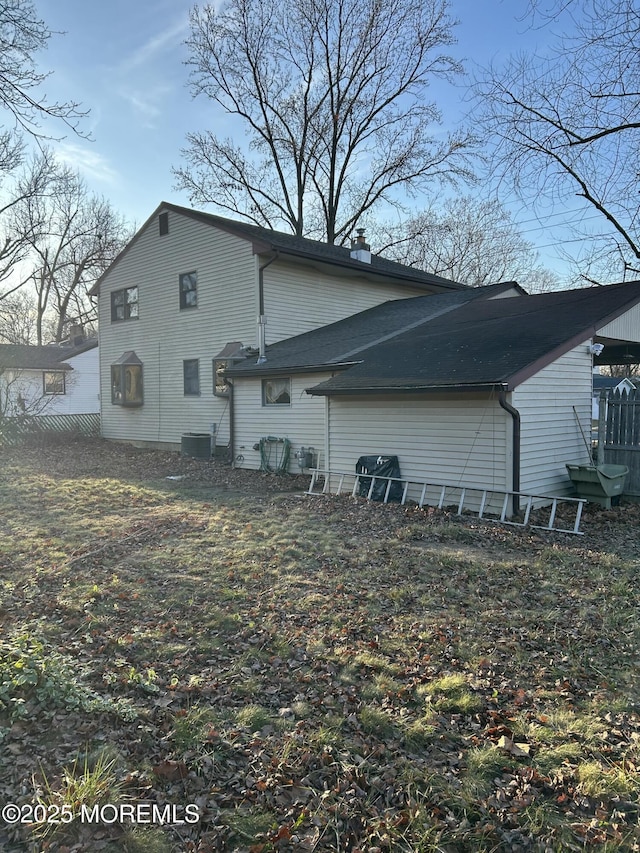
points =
(18, 316)
(23, 35)
(72, 237)
(20, 192)
(331, 95)
(468, 240)
(568, 124)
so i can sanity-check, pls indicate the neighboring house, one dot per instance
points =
(467, 390)
(188, 284)
(49, 380)
(610, 384)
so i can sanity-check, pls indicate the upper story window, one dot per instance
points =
(53, 382)
(188, 290)
(163, 223)
(276, 392)
(124, 304)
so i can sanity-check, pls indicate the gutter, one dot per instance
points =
(515, 414)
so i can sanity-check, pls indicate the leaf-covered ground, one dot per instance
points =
(305, 673)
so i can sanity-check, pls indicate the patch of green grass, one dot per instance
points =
(191, 728)
(597, 780)
(254, 717)
(551, 759)
(451, 694)
(375, 721)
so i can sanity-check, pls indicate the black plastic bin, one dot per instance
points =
(382, 466)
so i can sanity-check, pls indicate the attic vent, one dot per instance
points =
(360, 249)
(163, 223)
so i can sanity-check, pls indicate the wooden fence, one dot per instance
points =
(619, 435)
(14, 431)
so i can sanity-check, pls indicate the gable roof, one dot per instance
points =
(485, 343)
(343, 342)
(264, 240)
(50, 357)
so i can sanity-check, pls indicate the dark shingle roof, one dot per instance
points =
(265, 240)
(343, 341)
(52, 357)
(485, 342)
(302, 247)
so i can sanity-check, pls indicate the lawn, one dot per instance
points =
(217, 662)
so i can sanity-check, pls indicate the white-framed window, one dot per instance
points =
(188, 285)
(53, 382)
(276, 392)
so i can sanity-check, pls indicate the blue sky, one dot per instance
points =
(124, 60)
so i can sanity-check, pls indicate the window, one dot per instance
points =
(126, 380)
(191, 377)
(276, 392)
(188, 290)
(163, 224)
(220, 384)
(124, 304)
(53, 382)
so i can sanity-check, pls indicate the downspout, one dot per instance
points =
(232, 421)
(515, 414)
(262, 320)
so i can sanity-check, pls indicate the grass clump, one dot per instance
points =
(451, 694)
(254, 717)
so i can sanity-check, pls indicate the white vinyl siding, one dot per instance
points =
(625, 328)
(300, 298)
(164, 336)
(303, 422)
(550, 430)
(81, 385)
(458, 442)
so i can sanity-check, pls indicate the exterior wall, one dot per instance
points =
(83, 386)
(297, 299)
(81, 395)
(550, 433)
(303, 422)
(444, 440)
(625, 328)
(300, 298)
(163, 335)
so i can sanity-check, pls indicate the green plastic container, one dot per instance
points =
(598, 483)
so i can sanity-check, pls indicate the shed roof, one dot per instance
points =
(485, 342)
(345, 341)
(459, 340)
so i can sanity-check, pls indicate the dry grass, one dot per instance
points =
(315, 673)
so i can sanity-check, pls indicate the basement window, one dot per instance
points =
(53, 382)
(276, 392)
(126, 380)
